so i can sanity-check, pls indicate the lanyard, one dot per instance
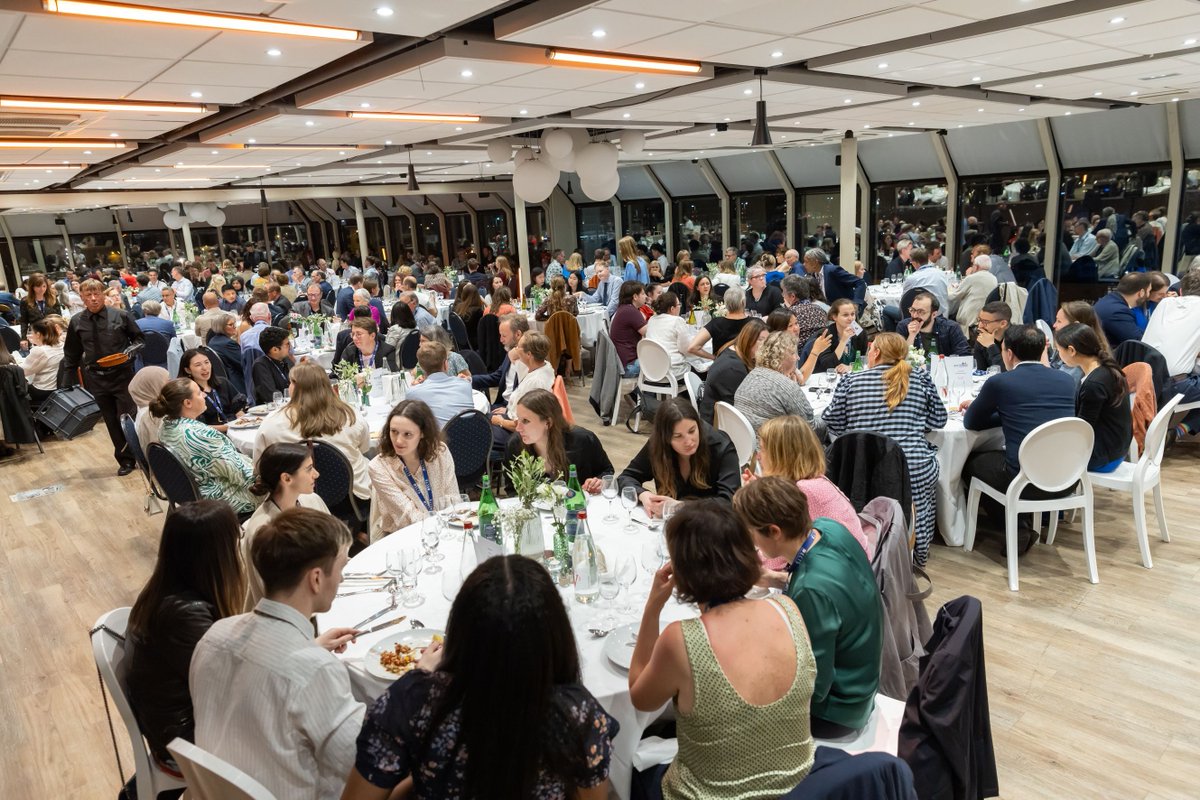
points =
(804, 548)
(215, 398)
(279, 369)
(367, 361)
(426, 504)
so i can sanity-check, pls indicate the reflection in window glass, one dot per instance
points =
(1002, 206)
(814, 211)
(1189, 233)
(644, 220)
(429, 235)
(1089, 192)
(538, 228)
(48, 254)
(458, 228)
(402, 237)
(762, 217)
(700, 228)
(594, 225)
(494, 226)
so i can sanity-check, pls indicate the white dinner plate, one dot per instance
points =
(418, 638)
(260, 410)
(245, 423)
(619, 645)
(459, 517)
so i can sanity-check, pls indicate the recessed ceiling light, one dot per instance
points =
(976, 79)
(912, 123)
(197, 95)
(1174, 99)
(866, 126)
(599, 33)
(179, 163)
(389, 141)
(1038, 85)
(428, 152)
(980, 110)
(341, 152)
(960, 126)
(916, 103)
(466, 73)
(649, 154)
(275, 52)
(784, 138)
(1097, 94)
(87, 152)
(1020, 109)
(1133, 93)
(1067, 114)
(890, 135)
(309, 123)
(251, 141)
(1189, 42)
(523, 111)
(364, 105)
(713, 133)
(1116, 20)
(114, 135)
(777, 54)
(384, 11)
(625, 115)
(848, 101)
(157, 170)
(212, 152)
(883, 65)
(747, 91)
(727, 119)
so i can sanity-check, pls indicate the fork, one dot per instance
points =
(383, 588)
(390, 607)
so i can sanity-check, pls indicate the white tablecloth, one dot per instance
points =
(590, 325)
(954, 444)
(888, 295)
(607, 682)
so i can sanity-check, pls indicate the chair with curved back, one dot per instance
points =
(1053, 458)
(735, 425)
(468, 436)
(655, 376)
(474, 362)
(694, 388)
(212, 778)
(490, 349)
(154, 354)
(335, 484)
(458, 330)
(171, 476)
(408, 350)
(1141, 476)
(129, 428)
(112, 662)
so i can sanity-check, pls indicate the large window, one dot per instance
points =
(494, 230)
(700, 227)
(1024, 198)
(644, 220)
(1188, 241)
(764, 215)
(814, 210)
(48, 254)
(460, 231)
(429, 235)
(402, 238)
(1088, 192)
(919, 204)
(594, 226)
(538, 228)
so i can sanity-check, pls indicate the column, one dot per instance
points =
(848, 201)
(364, 247)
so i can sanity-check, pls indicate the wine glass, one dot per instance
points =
(411, 562)
(831, 377)
(429, 543)
(652, 555)
(395, 570)
(277, 399)
(669, 508)
(629, 501)
(610, 588)
(608, 490)
(626, 572)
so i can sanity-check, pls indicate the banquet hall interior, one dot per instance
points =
(263, 142)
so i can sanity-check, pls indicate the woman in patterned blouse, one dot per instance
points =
(892, 398)
(220, 471)
(500, 712)
(414, 469)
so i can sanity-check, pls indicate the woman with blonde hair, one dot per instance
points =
(891, 398)
(787, 447)
(636, 268)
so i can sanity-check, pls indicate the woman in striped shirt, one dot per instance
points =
(893, 399)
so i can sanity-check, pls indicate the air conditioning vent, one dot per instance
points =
(37, 124)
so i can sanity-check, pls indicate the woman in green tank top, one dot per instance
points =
(743, 730)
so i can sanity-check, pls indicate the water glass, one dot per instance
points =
(429, 543)
(277, 399)
(629, 501)
(608, 490)
(395, 569)
(831, 378)
(410, 563)
(610, 589)
(626, 573)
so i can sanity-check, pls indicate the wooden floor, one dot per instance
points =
(1093, 689)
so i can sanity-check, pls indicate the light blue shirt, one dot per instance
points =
(607, 294)
(1084, 245)
(250, 338)
(446, 396)
(934, 281)
(423, 317)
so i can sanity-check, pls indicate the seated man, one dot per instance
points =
(1115, 309)
(229, 299)
(312, 303)
(420, 313)
(832, 584)
(1174, 332)
(170, 308)
(994, 319)
(211, 315)
(1085, 242)
(927, 276)
(926, 329)
(367, 348)
(1106, 255)
(151, 321)
(260, 318)
(509, 373)
(268, 698)
(271, 372)
(1017, 401)
(446, 394)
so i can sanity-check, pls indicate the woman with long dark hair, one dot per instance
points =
(223, 403)
(41, 301)
(1103, 396)
(543, 430)
(403, 323)
(197, 580)
(413, 469)
(686, 458)
(499, 712)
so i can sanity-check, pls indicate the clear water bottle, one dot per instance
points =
(583, 559)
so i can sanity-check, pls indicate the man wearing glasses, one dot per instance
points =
(994, 319)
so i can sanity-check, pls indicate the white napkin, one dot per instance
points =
(653, 751)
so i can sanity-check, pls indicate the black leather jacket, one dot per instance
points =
(158, 669)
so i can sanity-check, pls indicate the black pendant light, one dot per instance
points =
(412, 175)
(762, 134)
(570, 191)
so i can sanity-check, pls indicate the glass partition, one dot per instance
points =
(644, 220)
(762, 214)
(1024, 201)
(815, 210)
(429, 235)
(1187, 245)
(700, 227)
(594, 227)
(494, 230)
(538, 227)
(1088, 192)
(460, 231)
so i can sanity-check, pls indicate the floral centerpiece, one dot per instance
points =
(916, 357)
(537, 296)
(719, 310)
(190, 309)
(354, 382)
(313, 322)
(527, 474)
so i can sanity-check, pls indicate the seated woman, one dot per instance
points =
(501, 301)
(436, 726)
(743, 730)
(628, 326)
(771, 389)
(761, 297)
(838, 345)
(45, 354)
(537, 280)
(836, 592)
(1075, 311)
(682, 283)
(146, 385)
(702, 297)
(788, 448)
(220, 471)
(893, 399)
(543, 431)
(575, 280)
(457, 364)
(727, 273)
(671, 331)
(197, 580)
(367, 350)
(469, 307)
(287, 477)
(222, 340)
(557, 300)
(413, 470)
(364, 310)
(686, 459)
(315, 412)
(731, 368)
(403, 324)
(1103, 397)
(722, 330)
(223, 403)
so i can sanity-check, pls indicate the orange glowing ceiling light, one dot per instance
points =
(196, 19)
(74, 104)
(579, 58)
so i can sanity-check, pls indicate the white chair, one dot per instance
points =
(1140, 477)
(654, 376)
(693, 382)
(108, 648)
(739, 429)
(1053, 457)
(211, 778)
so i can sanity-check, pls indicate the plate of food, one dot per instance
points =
(260, 410)
(245, 423)
(618, 646)
(459, 518)
(399, 653)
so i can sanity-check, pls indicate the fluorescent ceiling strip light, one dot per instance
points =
(39, 167)
(71, 104)
(301, 147)
(402, 117)
(196, 19)
(75, 144)
(635, 63)
(224, 167)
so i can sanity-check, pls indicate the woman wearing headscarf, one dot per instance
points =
(146, 385)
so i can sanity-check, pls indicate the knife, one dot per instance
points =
(383, 625)
(390, 607)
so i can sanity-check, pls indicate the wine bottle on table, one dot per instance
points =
(583, 557)
(576, 503)
(488, 509)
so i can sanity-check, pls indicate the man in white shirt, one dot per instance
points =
(183, 287)
(1085, 243)
(267, 697)
(972, 292)
(169, 308)
(608, 289)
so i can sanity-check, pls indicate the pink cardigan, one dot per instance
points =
(825, 499)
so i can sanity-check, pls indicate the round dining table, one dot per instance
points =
(608, 682)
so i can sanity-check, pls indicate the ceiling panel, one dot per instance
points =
(993, 149)
(1132, 14)
(636, 185)
(621, 30)
(790, 50)
(702, 42)
(18, 62)
(25, 180)
(989, 9)
(682, 178)
(888, 25)
(746, 172)
(902, 158)
(1127, 136)
(812, 166)
(47, 33)
(789, 17)
(294, 51)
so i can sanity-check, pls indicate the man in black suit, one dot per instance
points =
(1029, 394)
(506, 376)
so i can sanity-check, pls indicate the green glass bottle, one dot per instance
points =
(858, 364)
(576, 502)
(488, 509)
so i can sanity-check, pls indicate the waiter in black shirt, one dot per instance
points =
(92, 334)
